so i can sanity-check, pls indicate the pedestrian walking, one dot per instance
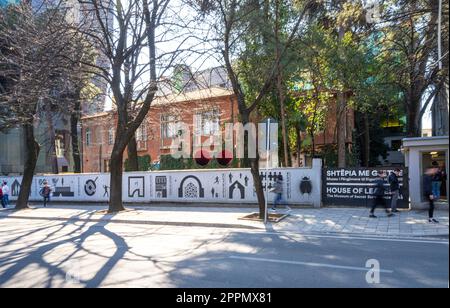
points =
(46, 190)
(427, 185)
(5, 190)
(436, 182)
(1, 197)
(394, 186)
(379, 192)
(278, 190)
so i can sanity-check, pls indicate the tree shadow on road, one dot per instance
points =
(71, 232)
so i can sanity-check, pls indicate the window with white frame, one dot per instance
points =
(59, 147)
(88, 136)
(141, 133)
(208, 122)
(111, 136)
(169, 126)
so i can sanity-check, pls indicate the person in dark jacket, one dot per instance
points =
(436, 182)
(394, 186)
(46, 191)
(1, 197)
(378, 192)
(427, 184)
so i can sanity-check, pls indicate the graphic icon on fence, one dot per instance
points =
(239, 187)
(62, 191)
(191, 187)
(161, 186)
(90, 187)
(15, 188)
(136, 186)
(306, 186)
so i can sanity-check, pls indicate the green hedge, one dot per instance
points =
(145, 163)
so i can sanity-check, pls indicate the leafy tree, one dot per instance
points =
(38, 68)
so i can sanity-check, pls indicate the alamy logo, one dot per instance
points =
(73, 272)
(242, 140)
(373, 274)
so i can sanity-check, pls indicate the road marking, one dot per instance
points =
(353, 268)
(404, 240)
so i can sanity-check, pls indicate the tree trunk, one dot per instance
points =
(341, 116)
(32, 152)
(76, 154)
(366, 141)
(341, 127)
(254, 167)
(413, 122)
(51, 155)
(280, 89)
(299, 146)
(440, 113)
(283, 117)
(313, 145)
(116, 168)
(133, 163)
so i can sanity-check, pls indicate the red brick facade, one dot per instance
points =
(98, 130)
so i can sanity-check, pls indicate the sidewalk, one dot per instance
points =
(301, 220)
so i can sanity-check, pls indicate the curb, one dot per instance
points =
(359, 234)
(140, 222)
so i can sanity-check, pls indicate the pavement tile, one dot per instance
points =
(354, 220)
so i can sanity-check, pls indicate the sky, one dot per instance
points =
(176, 38)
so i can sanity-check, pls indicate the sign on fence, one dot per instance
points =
(354, 186)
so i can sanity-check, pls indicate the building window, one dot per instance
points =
(208, 123)
(111, 136)
(88, 136)
(168, 126)
(106, 165)
(141, 133)
(59, 145)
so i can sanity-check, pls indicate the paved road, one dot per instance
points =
(43, 253)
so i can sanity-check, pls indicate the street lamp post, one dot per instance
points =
(267, 166)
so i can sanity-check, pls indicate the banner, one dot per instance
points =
(354, 186)
(194, 186)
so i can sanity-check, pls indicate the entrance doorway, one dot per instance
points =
(437, 159)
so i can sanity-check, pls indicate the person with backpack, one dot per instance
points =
(46, 191)
(278, 190)
(1, 197)
(436, 182)
(5, 190)
(394, 186)
(378, 192)
(427, 186)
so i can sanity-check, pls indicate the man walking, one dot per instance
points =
(1, 197)
(379, 191)
(437, 181)
(278, 190)
(428, 192)
(5, 190)
(46, 190)
(395, 189)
